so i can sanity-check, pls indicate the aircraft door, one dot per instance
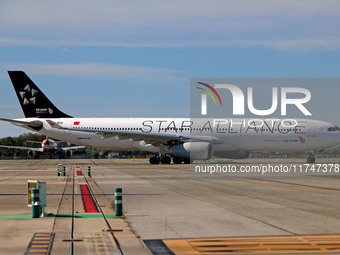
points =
(311, 130)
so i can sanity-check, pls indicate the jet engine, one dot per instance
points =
(192, 150)
(31, 153)
(68, 153)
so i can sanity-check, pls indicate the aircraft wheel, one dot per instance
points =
(310, 160)
(154, 160)
(177, 160)
(311, 157)
(187, 161)
(165, 160)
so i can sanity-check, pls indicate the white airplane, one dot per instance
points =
(48, 146)
(183, 139)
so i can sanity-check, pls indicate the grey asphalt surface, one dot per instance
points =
(165, 201)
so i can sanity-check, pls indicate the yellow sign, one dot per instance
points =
(30, 185)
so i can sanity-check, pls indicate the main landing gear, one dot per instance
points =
(167, 160)
(311, 157)
(160, 159)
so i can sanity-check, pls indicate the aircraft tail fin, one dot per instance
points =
(33, 101)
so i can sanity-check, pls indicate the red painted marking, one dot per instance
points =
(79, 173)
(89, 205)
(76, 123)
(301, 139)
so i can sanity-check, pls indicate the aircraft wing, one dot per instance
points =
(150, 138)
(70, 148)
(154, 138)
(163, 139)
(21, 148)
(29, 124)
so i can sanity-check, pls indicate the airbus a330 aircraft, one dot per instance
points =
(48, 146)
(183, 139)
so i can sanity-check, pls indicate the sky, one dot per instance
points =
(135, 58)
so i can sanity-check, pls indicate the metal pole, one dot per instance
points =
(35, 203)
(89, 171)
(118, 202)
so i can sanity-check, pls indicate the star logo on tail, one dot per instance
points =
(28, 95)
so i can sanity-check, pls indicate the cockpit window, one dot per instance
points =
(335, 128)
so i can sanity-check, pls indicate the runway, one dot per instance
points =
(292, 206)
(167, 208)
(169, 199)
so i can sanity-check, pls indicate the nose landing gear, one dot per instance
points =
(311, 157)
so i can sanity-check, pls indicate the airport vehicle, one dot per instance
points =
(49, 147)
(183, 139)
